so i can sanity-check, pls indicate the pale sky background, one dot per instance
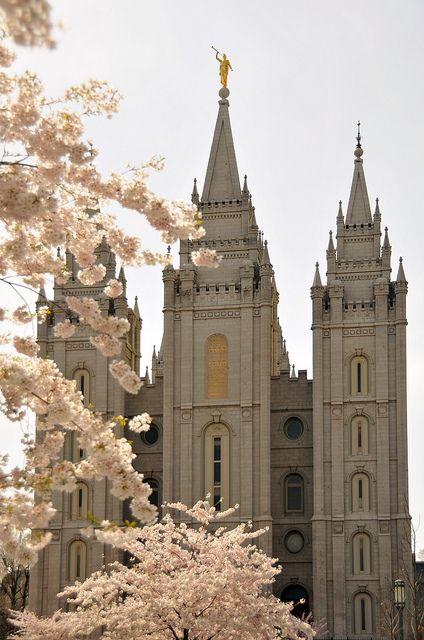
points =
(304, 72)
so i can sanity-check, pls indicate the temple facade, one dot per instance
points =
(321, 463)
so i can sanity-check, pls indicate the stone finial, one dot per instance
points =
(386, 242)
(340, 212)
(245, 190)
(317, 278)
(195, 193)
(377, 208)
(293, 372)
(330, 242)
(147, 375)
(136, 309)
(401, 273)
(265, 255)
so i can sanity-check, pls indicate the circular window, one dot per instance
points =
(293, 428)
(151, 436)
(294, 541)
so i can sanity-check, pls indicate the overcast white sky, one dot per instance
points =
(304, 72)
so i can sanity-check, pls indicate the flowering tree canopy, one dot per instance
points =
(196, 580)
(53, 196)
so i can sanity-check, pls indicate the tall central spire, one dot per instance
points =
(222, 180)
(358, 209)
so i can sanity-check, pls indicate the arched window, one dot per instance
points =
(359, 376)
(154, 496)
(77, 454)
(362, 609)
(361, 554)
(77, 560)
(295, 593)
(79, 502)
(217, 364)
(217, 465)
(82, 378)
(360, 492)
(359, 436)
(293, 493)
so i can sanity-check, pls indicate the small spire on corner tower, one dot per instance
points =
(330, 242)
(340, 212)
(386, 242)
(195, 193)
(245, 191)
(401, 273)
(317, 278)
(265, 255)
(377, 208)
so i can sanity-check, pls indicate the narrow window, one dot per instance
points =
(79, 502)
(82, 383)
(77, 560)
(360, 492)
(217, 473)
(360, 489)
(363, 615)
(361, 555)
(78, 563)
(359, 436)
(154, 496)
(217, 465)
(359, 427)
(358, 377)
(294, 492)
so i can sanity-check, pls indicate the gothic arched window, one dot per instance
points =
(217, 366)
(154, 496)
(293, 493)
(77, 560)
(359, 436)
(361, 554)
(79, 502)
(82, 379)
(359, 376)
(362, 610)
(300, 598)
(217, 465)
(360, 492)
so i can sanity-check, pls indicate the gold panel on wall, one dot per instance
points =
(217, 359)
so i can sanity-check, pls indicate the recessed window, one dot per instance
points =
(362, 614)
(217, 465)
(294, 492)
(293, 428)
(294, 541)
(151, 436)
(154, 496)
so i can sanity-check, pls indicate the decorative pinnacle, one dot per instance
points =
(358, 151)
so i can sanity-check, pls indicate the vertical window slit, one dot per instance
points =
(217, 463)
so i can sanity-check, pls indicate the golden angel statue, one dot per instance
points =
(224, 65)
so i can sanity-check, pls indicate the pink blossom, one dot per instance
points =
(140, 423)
(64, 329)
(126, 377)
(114, 288)
(107, 345)
(205, 258)
(27, 346)
(91, 275)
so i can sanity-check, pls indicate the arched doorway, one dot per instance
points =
(295, 593)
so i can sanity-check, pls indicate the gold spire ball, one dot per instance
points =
(224, 66)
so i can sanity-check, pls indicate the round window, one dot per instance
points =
(294, 541)
(151, 436)
(293, 428)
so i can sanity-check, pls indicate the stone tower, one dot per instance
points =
(360, 518)
(70, 555)
(220, 347)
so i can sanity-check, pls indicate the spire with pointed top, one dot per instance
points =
(293, 372)
(330, 242)
(265, 254)
(195, 193)
(358, 209)
(147, 375)
(42, 298)
(245, 192)
(386, 242)
(340, 211)
(317, 278)
(401, 273)
(377, 212)
(136, 309)
(222, 180)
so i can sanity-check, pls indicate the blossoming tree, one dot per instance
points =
(52, 195)
(196, 580)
